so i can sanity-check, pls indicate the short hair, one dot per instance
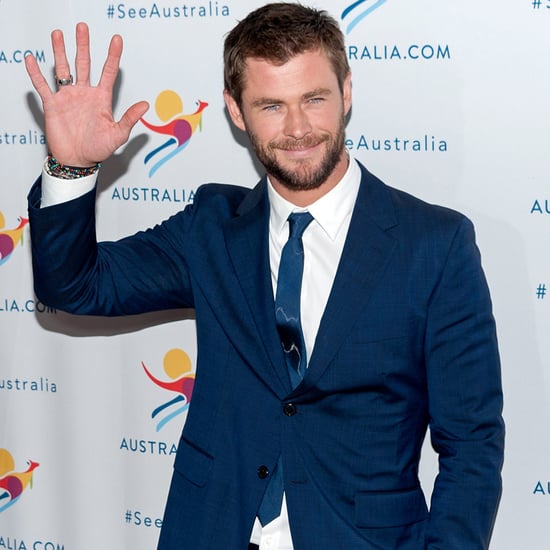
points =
(277, 32)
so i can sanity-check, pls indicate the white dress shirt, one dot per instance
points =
(323, 243)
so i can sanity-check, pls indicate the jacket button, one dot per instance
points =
(263, 472)
(289, 409)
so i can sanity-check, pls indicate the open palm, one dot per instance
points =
(80, 128)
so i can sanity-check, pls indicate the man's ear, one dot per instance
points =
(347, 93)
(234, 111)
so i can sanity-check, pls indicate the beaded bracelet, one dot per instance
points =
(56, 169)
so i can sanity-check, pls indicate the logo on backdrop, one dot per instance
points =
(12, 482)
(416, 144)
(357, 11)
(181, 379)
(541, 206)
(539, 5)
(209, 9)
(10, 238)
(178, 383)
(176, 124)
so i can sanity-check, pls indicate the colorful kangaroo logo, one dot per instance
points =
(10, 238)
(12, 483)
(169, 109)
(358, 16)
(177, 366)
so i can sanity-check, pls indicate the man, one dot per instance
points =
(394, 333)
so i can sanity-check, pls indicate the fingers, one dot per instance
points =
(37, 78)
(112, 63)
(62, 69)
(82, 60)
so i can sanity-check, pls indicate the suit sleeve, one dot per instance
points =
(465, 401)
(73, 273)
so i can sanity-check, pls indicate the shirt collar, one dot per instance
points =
(330, 211)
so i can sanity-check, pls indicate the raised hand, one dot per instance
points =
(80, 129)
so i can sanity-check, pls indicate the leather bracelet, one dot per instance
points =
(57, 170)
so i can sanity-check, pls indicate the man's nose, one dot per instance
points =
(297, 123)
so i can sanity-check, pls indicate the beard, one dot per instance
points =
(303, 175)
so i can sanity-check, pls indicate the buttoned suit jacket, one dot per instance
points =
(407, 341)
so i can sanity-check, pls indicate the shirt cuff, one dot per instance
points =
(58, 190)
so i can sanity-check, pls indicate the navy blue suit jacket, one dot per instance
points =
(407, 341)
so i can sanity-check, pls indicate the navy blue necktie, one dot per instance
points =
(287, 300)
(287, 315)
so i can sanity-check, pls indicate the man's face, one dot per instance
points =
(294, 115)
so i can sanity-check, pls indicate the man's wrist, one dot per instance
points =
(57, 170)
(56, 190)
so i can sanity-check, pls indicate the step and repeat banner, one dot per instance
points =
(451, 103)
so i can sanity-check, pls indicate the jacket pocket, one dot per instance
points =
(193, 463)
(375, 509)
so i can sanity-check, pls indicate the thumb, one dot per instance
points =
(131, 116)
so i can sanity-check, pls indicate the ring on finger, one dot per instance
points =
(64, 81)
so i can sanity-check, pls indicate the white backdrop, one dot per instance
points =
(451, 103)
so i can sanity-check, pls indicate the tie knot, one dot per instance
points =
(298, 221)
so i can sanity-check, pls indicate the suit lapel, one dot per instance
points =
(367, 251)
(248, 246)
